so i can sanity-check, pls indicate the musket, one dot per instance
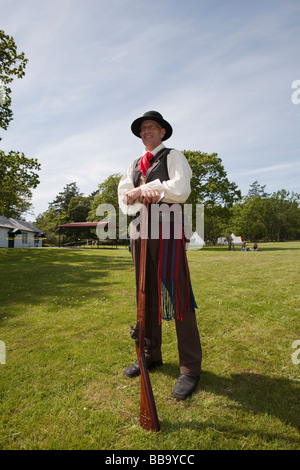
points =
(148, 414)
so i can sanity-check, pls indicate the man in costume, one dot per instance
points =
(162, 176)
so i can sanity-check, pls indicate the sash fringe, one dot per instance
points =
(171, 304)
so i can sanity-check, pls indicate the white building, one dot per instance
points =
(19, 234)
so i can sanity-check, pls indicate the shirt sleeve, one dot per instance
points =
(174, 190)
(125, 184)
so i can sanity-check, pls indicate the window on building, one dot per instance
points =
(24, 238)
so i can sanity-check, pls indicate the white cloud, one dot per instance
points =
(221, 72)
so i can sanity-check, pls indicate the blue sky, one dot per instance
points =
(220, 72)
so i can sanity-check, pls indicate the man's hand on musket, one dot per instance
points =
(151, 195)
(131, 196)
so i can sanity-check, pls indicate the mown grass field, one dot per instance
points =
(64, 319)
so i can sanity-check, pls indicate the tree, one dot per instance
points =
(209, 183)
(78, 208)
(257, 190)
(17, 173)
(276, 217)
(48, 222)
(17, 178)
(68, 206)
(61, 203)
(248, 218)
(210, 186)
(107, 194)
(284, 211)
(12, 65)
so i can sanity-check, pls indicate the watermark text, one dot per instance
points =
(2, 353)
(164, 219)
(296, 354)
(296, 94)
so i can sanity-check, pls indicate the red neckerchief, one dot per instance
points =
(145, 164)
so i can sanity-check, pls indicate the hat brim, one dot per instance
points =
(136, 126)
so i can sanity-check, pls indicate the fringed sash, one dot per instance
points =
(171, 303)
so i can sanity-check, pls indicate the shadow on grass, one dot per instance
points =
(32, 276)
(255, 393)
(258, 393)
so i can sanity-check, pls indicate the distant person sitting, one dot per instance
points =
(244, 247)
(255, 247)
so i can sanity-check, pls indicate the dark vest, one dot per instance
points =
(158, 169)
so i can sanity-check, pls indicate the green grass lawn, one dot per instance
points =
(64, 319)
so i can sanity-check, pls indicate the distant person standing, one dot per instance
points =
(163, 174)
(229, 241)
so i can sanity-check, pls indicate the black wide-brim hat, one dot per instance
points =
(152, 116)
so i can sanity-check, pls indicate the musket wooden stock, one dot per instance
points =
(148, 414)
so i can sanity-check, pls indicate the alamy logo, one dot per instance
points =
(2, 352)
(296, 94)
(296, 354)
(181, 216)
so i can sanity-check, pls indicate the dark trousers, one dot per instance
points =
(188, 339)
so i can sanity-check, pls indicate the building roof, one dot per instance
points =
(15, 225)
(85, 224)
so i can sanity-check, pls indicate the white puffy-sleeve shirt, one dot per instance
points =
(175, 190)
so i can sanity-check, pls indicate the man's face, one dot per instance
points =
(151, 134)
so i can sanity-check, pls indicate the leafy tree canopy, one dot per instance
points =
(12, 65)
(107, 194)
(17, 173)
(209, 182)
(257, 190)
(17, 177)
(271, 217)
(61, 203)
